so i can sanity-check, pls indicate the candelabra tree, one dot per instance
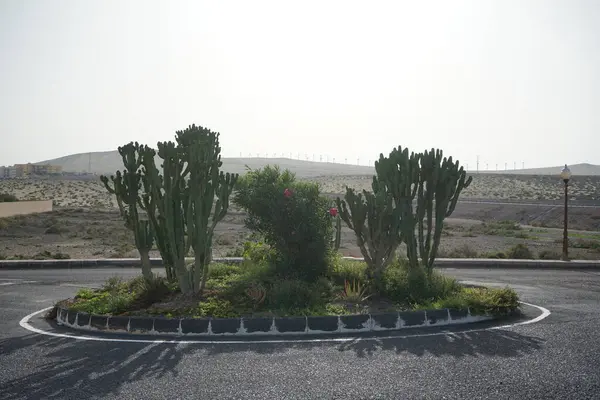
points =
(434, 183)
(178, 199)
(441, 180)
(126, 187)
(202, 153)
(399, 177)
(412, 194)
(375, 222)
(155, 202)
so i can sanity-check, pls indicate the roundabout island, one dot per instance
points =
(292, 319)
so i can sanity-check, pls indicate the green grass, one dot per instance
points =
(252, 289)
(584, 244)
(480, 301)
(538, 230)
(591, 236)
(500, 228)
(117, 296)
(517, 252)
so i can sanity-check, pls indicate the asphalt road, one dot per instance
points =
(555, 358)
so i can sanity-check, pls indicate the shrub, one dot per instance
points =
(102, 302)
(7, 198)
(236, 252)
(54, 229)
(354, 292)
(409, 285)
(520, 252)
(85, 294)
(148, 292)
(119, 303)
(523, 235)
(508, 225)
(496, 255)
(258, 252)
(61, 256)
(113, 284)
(489, 300)
(219, 308)
(294, 294)
(117, 296)
(585, 244)
(292, 217)
(235, 284)
(549, 255)
(463, 251)
(46, 255)
(221, 270)
(257, 293)
(347, 270)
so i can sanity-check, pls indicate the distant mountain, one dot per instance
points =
(576, 169)
(108, 162)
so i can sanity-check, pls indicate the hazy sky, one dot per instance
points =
(510, 81)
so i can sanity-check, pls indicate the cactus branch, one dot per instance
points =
(126, 188)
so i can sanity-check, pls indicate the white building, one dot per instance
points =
(7, 172)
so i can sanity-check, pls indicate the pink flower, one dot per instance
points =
(333, 212)
(287, 193)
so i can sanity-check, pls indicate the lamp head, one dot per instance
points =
(565, 174)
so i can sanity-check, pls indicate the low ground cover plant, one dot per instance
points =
(251, 289)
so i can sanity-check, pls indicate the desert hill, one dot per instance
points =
(583, 169)
(107, 162)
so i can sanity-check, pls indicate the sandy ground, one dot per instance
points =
(91, 193)
(85, 223)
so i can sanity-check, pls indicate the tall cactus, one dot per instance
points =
(179, 201)
(375, 222)
(399, 173)
(440, 183)
(206, 181)
(151, 199)
(126, 187)
(168, 192)
(338, 233)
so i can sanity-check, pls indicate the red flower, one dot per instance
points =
(333, 212)
(287, 193)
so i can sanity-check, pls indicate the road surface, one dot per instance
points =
(555, 358)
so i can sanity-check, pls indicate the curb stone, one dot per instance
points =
(439, 263)
(265, 325)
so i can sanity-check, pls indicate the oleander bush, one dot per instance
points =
(293, 219)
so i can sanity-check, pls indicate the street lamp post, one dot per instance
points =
(565, 175)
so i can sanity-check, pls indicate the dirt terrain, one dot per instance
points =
(91, 193)
(86, 224)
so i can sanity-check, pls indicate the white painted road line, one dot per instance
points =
(16, 283)
(500, 203)
(24, 323)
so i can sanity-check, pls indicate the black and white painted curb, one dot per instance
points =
(265, 326)
(439, 263)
